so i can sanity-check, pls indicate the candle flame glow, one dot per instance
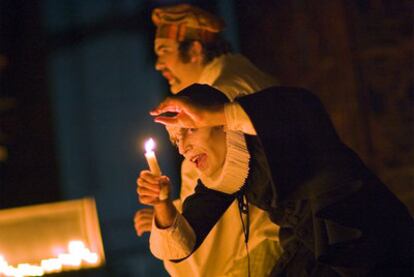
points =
(79, 255)
(149, 145)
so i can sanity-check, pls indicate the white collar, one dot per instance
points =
(235, 169)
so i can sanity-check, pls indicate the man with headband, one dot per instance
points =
(190, 49)
(336, 217)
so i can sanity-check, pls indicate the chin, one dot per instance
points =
(176, 88)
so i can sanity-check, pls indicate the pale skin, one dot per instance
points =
(179, 75)
(143, 221)
(149, 187)
(187, 116)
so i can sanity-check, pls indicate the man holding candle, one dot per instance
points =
(190, 49)
(336, 217)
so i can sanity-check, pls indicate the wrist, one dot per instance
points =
(218, 116)
(164, 213)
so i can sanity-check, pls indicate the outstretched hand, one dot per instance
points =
(187, 114)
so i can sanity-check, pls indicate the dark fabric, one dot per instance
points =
(336, 217)
(202, 95)
(203, 209)
(297, 136)
(327, 201)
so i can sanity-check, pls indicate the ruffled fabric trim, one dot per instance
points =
(235, 168)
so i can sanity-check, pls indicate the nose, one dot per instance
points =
(159, 65)
(183, 146)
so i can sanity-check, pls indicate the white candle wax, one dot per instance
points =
(153, 166)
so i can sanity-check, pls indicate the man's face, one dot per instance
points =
(204, 147)
(179, 74)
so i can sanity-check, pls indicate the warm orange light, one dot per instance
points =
(77, 256)
(151, 158)
(149, 145)
(153, 165)
(51, 265)
(50, 238)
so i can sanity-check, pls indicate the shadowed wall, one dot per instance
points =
(357, 56)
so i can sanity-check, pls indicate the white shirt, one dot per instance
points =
(223, 251)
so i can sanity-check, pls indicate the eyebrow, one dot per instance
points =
(176, 134)
(161, 47)
(173, 136)
(173, 140)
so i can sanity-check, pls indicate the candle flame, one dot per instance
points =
(149, 145)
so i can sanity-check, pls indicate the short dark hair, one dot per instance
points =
(219, 46)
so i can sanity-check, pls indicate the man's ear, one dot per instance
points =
(196, 52)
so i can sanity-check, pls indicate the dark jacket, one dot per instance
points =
(336, 217)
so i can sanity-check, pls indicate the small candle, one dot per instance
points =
(153, 166)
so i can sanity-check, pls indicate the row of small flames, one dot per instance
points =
(77, 256)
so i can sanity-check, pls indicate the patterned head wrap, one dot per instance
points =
(185, 21)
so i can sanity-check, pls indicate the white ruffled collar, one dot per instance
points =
(235, 168)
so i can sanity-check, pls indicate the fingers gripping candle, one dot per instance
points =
(154, 167)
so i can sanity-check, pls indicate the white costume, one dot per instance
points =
(223, 252)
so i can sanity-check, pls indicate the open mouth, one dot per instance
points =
(200, 160)
(172, 80)
(167, 75)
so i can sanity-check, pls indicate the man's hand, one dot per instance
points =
(149, 187)
(143, 220)
(187, 114)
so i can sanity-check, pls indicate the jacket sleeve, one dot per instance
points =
(174, 242)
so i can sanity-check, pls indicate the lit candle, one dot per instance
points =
(70, 260)
(153, 165)
(29, 270)
(51, 265)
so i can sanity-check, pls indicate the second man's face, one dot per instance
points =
(179, 74)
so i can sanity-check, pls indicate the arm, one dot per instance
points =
(189, 115)
(175, 236)
(237, 119)
(143, 218)
(201, 211)
(149, 187)
(171, 236)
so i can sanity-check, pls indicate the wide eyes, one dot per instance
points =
(187, 131)
(175, 139)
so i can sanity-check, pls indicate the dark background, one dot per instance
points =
(77, 80)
